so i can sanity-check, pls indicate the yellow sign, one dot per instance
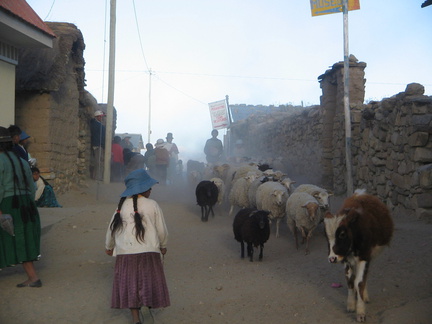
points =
(325, 7)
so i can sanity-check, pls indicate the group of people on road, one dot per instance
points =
(160, 160)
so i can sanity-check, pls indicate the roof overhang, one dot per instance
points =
(21, 35)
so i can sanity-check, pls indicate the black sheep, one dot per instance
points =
(253, 227)
(206, 195)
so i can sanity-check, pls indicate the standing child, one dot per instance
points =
(137, 236)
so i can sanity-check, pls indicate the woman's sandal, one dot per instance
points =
(35, 284)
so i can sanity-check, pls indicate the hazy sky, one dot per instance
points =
(267, 52)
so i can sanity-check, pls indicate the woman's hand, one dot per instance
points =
(109, 252)
(163, 251)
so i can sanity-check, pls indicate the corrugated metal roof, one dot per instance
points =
(22, 10)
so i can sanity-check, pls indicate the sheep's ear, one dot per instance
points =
(330, 193)
(315, 194)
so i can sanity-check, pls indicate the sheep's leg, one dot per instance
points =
(295, 236)
(261, 252)
(303, 234)
(207, 212)
(293, 229)
(231, 210)
(202, 213)
(242, 249)
(309, 235)
(307, 246)
(277, 226)
(212, 212)
(250, 251)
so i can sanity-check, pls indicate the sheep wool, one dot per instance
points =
(322, 195)
(239, 192)
(272, 196)
(303, 214)
(221, 188)
(253, 227)
(206, 195)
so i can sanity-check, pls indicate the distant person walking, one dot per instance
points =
(137, 235)
(126, 143)
(162, 161)
(19, 243)
(117, 161)
(150, 158)
(98, 132)
(173, 154)
(213, 148)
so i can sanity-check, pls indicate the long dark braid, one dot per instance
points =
(117, 223)
(27, 211)
(15, 202)
(139, 228)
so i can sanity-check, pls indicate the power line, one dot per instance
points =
(139, 37)
(49, 12)
(182, 92)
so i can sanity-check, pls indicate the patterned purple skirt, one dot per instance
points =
(139, 280)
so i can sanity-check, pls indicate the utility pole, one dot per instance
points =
(347, 110)
(110, 102)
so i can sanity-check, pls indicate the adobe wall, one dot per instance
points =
(391, 142)
(54, 109)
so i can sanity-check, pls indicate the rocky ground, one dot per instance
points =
(208, 281)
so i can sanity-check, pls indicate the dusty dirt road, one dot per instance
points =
(208, 281)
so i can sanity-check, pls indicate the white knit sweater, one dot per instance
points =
(156, 233)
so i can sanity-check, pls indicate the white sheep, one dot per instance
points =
(289, 184)
(238, 195)
(303, 213)
(320, 194)
(253, 189)
(221, 187)
(243, 170)
(272, 196)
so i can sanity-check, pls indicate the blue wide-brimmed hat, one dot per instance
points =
(24, 136)
(137, 182)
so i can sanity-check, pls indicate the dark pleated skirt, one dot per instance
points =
(139, 280)
(25, 245)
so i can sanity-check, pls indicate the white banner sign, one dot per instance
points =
(219, 114)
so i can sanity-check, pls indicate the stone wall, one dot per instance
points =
(54, 109)
(391, 142)
(392, 150)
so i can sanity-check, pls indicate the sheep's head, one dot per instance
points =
(288, 183)
(322, 197)
(280, 197)
(220, 170)
(262, 217)
(312, 210)
(251, 176)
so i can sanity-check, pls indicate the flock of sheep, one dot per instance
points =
(263, 195)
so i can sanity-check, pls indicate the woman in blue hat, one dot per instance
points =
(20, 244)
(137, 236)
